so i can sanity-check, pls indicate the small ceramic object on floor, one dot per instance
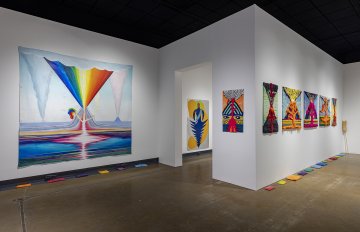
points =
(56, 180)
(23, 185)
(322, 164)
(324, 161)
(82, 175)
(120, 168)
(341, 155)
(103, 172)
(269, 188)
(302, 173)
(294, 177)
(308, 169)
(333, 158)
(50, 177)
(140, 165)
(316, 166)
(281, 182)
(329, 160)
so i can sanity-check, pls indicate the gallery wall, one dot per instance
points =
(19, 29)
(351, 105)
(196, 83)
(229, 46)
(285, 58)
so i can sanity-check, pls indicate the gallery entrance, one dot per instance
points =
(194, 108)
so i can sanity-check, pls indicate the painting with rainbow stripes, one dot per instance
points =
(72, 108)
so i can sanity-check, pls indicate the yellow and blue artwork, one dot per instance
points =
(72, 108)
(197, 124)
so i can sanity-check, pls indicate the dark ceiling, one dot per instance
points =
(332, 25)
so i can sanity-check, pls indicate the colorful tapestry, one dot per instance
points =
(72, 108)
(198, 124)
(310, 109)
(233, 110)
(324, 111)
(291, 109)
(333, 112)
(270, 108)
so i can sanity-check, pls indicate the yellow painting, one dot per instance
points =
(198, 124)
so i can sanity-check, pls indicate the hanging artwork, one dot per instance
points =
(198, 124)
(270, 108)
(310, 109)
(333, 112)
(233, 110)
(72, 108)
(291, 109)
(324, 111)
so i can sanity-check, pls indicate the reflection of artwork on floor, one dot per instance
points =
(291, 109)
(233, 110)
(198, 124)
(72, 108)
(270, 108)
(324, 111)
(310, 109)
(333, 111)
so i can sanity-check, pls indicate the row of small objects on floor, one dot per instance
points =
(304, 172)
(53, 178)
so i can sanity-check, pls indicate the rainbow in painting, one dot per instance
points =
(72, 108)
(310, 110)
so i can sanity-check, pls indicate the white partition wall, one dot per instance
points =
(229, 46)
(285, 58)
(351, 105)
(19, 29)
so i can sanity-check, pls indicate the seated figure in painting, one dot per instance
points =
(292, 113)
(324, 109)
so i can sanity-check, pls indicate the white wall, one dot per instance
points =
(196, 83)
(285, 58)
(18, 29)
(351, 105)
(229, 46)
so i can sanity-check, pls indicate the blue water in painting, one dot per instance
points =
(41, 152)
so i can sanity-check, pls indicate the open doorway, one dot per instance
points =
(194, 98)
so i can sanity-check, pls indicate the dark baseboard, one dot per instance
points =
(11, 184)
(196, 153)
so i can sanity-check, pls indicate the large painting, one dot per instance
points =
(198, 124)
(291, 109)
(233, 110)
(270, 108)
(72, 108)
(310, 109)
(333, 112)
(324, 111)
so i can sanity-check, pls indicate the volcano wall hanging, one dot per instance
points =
(197, 124)
(233, 110)
(324, 111)
(310, 110)
(291, 109)
(270, 108)
(72, 108)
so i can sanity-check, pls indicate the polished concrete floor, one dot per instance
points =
(186, 199)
